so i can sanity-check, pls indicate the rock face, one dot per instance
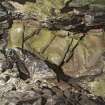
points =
(27, 64)
(46, 41)
(88, 56)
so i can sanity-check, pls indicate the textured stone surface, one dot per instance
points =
(82, 57)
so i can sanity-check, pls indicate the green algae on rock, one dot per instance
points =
(42, 40)
(56, 51)
(31, 28)
(97, 87)
(44, 8)
(16, 35)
